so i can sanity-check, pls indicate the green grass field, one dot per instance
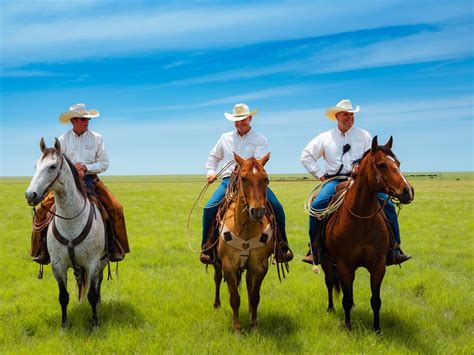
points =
(162, 301)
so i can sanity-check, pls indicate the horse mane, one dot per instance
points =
(383, 148)
(77, 179)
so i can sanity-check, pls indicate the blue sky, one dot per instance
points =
(163, 74)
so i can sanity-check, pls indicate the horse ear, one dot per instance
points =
(57, 145)
(42, 145)
(375, 144)
(389, 143)
(265, 159)
(239, 160)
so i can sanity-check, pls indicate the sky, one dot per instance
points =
(162, 74)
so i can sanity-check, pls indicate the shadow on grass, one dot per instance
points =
(111, 312)
(397, 332)
(281, 328)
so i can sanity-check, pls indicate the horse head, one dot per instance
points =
(47, 171)
(385, 172)
(253, 181)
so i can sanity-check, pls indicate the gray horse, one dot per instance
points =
(76, 235)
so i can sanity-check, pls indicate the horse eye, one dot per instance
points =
(52, 167)
(382, 166)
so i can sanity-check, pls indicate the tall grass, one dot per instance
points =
(162, 301)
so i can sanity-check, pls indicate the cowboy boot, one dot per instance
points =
(207, 254)
(311, 256)
(43, 256)
(395, 256)
(284, 253)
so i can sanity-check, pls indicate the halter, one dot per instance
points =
(47, 190)
(379, 179)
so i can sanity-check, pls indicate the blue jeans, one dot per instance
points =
(328, 191)
(210, 211)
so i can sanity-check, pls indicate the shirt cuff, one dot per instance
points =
(211, 172)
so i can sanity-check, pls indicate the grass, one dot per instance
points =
(162, 301)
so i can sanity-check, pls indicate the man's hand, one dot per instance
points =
(323, 178)
(81, 169)
(211, 178)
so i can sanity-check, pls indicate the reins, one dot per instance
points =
(47, 189)
(199, 198)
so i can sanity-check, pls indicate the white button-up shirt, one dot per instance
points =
(87, 149)
(329, 145)
(250, 145)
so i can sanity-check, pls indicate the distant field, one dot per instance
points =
(162, 301)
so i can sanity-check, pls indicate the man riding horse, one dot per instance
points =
(341, 147)
(247, 144)
(86, 150)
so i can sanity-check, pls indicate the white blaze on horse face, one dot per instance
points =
(403, 176)
(44, 174)
(255, 171)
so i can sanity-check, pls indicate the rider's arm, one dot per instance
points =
(310, 155)
(214, 158)
(102, 160)
(261, 148)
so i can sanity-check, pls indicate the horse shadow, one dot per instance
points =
(396, 332)
(280, 328)
(110, 312)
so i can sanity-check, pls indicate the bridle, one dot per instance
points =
(379, 178)
(47, 190)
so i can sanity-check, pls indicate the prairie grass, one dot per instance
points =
(162, 301)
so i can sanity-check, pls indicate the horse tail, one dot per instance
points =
(337, 283)
(82, 281)
(336, 280)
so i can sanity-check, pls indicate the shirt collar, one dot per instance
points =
(75, 135)
(348, 133)
(245, 135)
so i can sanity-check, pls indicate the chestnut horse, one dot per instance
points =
(245, 238)
(358, 234)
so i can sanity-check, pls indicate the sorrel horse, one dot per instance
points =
(357, 235)
(245, 238)
(76, 236)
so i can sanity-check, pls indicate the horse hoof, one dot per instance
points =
(348, 326)
(330, 310)
(217, 305)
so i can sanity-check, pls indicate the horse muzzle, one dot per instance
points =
(257, 213)
(32, 198)
(407, 195)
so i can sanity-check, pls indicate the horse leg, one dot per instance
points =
(60, 274)
(328, 278)
(232, 285)
(93, 297)
(254, 283)
(376, 278)
(101, 278)
(217, 281)
(63, 300)
(347, 279)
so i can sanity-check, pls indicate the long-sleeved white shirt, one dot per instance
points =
(87, 149)
(250, 145)
(329, 145)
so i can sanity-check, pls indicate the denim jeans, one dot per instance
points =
(328, 191)
(210, 211)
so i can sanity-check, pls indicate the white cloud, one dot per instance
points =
(62, 31)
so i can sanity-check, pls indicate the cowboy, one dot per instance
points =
(86, 150)
(246, 143)
(340, 147)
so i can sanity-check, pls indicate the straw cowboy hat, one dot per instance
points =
(241, 112)
(78, 110)
(342, 106)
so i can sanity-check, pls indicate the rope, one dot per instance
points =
(325, 212)
(198, 200)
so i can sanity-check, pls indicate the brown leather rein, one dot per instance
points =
(379, 178)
